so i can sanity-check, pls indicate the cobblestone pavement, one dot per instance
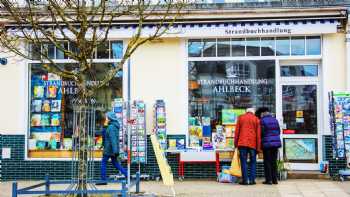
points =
(200, 188)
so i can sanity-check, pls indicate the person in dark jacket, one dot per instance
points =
(247, 140)
(271, 141)
(110, 141)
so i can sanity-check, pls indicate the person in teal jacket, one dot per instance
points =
(110, 141)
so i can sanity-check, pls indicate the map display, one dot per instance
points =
(229, 116)
(300, 150)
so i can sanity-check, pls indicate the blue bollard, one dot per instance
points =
(124, 189)
(14, 189)
(47, 185)
(137, 182)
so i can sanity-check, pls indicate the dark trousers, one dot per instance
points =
(270, 164)
(243, 155)
(115, 163)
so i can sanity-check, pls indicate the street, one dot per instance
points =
(203, 188)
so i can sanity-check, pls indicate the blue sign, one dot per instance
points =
(3, 61)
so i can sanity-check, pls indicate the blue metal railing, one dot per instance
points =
(47, 191)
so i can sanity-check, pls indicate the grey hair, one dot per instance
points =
(251, 110)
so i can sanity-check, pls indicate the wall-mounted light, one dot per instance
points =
(3, 61)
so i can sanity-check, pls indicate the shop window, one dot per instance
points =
(313, 45)
(253, 46)
(299, 71)
(60, 53)
(51, 111)
(220, 89)
(224, 47)
(107, 50)
(49, 51)
(299, 105)
(103, 50)
(238, 46)
(300, 150)
(116, 49)
(209, 47)
(267, 46)
(283, 46)
(35, 51)
(298, 45)
(195, 48)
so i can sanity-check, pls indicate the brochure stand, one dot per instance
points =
(339, 110)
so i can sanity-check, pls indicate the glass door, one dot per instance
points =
(299, 113)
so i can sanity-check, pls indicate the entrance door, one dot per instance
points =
(300, 109)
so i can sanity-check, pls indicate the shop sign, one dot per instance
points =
(232, 85)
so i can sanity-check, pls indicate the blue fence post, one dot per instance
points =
(124, 189)
(137, 182)
(14, 189)
(47, 185)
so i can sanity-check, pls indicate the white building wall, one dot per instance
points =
(333, 71)
(159, 71)
(13, 99)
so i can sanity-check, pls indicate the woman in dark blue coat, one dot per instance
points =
(110, 140)
(271, 141)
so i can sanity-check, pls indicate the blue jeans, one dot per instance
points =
(243, 155)
(115, 163)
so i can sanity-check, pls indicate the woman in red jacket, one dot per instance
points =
(248, 141)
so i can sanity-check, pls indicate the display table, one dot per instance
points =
(195, 156)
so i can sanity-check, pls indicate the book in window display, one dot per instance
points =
(46, 118)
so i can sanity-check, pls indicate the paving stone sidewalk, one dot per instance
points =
(200, 188)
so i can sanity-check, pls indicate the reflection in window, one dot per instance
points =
(52, 99)
(313, 45)
(209, 47)
(54, 52)
(238, 46)
(300, 108)
(103, 50)
(195, 48)
(299, 71)
(60, 53)
(49, 50)
(223, 47)
(218, 85)
(267, 46)
(116, 49)
(253, 47)
(282, 46)
(298, 45)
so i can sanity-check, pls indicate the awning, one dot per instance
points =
(237, 29)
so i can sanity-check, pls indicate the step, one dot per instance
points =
(300, 174)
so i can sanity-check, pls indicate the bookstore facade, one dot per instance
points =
(206, 73)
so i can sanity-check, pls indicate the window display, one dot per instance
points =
(51, 109)
(300, 150)
(220, 91)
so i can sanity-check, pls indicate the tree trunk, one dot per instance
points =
(82, 150)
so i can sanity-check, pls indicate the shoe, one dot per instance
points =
(267, 183)
(243, 183)
(274, 182)
(252, 183)
(101, 183)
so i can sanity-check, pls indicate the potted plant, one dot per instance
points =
(282, 169)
